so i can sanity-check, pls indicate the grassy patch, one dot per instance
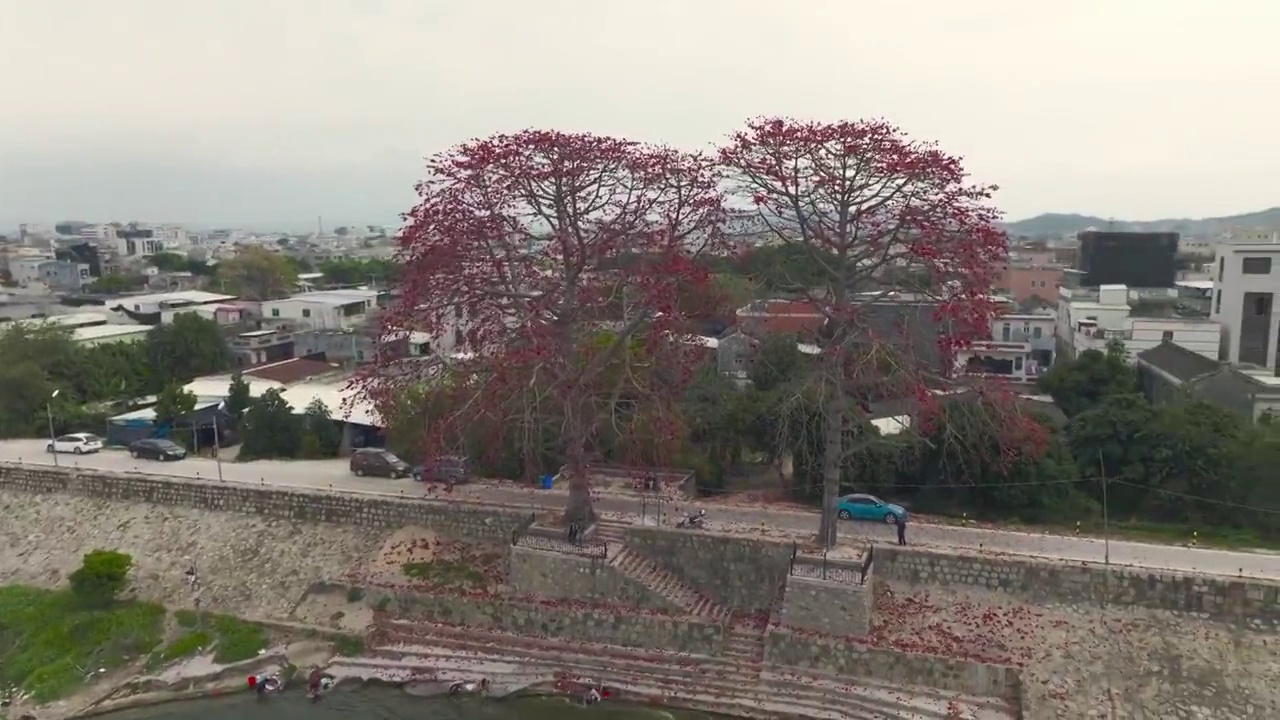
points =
(446, 573)
(49, 643)
(237, 640)
(348, 645)
(186, 645)
(188, 619)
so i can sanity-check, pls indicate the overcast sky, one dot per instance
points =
(261, 111)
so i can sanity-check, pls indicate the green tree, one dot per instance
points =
(185, 349)
(357, 272)
(101, 577)
(1080, 384)
(117, 283)
(270, 429)
(25, 390)
(321, 436)
(258, 274)
(238, 396)
(169, 262)
(777, 362)
(172, 404)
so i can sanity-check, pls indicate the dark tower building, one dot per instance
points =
(1136, 259)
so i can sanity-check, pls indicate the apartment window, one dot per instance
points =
(275, 312)
(1036, 332)
(1217, 301)
(1017, 363)
(1222, 264)
(306, 312)
(1262, 305)
(1005, 332)
(1255, 266)
(1166, 336)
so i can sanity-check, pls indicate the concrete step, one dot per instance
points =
(664, 583)
(491, 642)
(737, 672)
(706, 674)
(728, 695)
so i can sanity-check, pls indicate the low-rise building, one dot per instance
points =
(106, 334)
(1246, 280)
(58, 275)
(326, 309)
(1090, 319)
(152, 305)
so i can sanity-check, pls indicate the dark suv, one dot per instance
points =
(451, 469)
(379, 463)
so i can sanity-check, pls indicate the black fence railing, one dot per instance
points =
(823, 568)
(651, 507)
(581, 548)
(522, 528)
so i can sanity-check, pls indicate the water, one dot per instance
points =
(393, 704)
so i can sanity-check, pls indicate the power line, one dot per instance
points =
(1187, 496)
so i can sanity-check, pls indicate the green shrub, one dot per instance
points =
(186, 618)
(237, 640)
(355, 594)
(102, 576)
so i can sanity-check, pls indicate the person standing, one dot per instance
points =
(902, 530)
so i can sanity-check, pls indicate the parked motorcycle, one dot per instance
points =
(693, 521)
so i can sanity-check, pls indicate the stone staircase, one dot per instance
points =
(666, 584)
(744, 641)
(612, 532)
(723, 685)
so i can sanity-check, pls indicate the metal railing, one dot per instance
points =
(581, 548)
(822, 568)
(522, 529)
(651, 506)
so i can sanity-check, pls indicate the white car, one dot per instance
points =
(77, 443)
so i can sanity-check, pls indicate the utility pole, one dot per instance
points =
(217, 449)
(48, 409)
(1106, 579)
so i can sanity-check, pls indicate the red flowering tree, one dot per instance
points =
(557, 259)
(906, 245)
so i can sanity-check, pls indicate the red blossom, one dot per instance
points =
(557, 260)
(894, 223)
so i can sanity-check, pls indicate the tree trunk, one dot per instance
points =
(579, 509)
(832, 454)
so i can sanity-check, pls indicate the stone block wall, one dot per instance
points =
(575, 623)
(737, 572)
(1252, 603)
(453, 519)
(837, 655)
(826, 607)
(541, 573)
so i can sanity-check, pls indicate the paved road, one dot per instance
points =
(334, 475)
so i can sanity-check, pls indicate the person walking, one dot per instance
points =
(902, 530)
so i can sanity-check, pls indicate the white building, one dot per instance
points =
(325, 310)
(1090, 319)
(1021, 348)
(159, 302)
(1246, 280)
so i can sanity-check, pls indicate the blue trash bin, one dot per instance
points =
(545, 482)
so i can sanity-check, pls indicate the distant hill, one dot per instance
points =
(1061, 224)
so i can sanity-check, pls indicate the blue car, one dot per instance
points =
(869, 507)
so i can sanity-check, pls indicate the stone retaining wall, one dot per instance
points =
(546, 574)
(826, 607)
(840, 656)
(737, 572)
(567, 621)
(1253, 603)
(460, 520)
